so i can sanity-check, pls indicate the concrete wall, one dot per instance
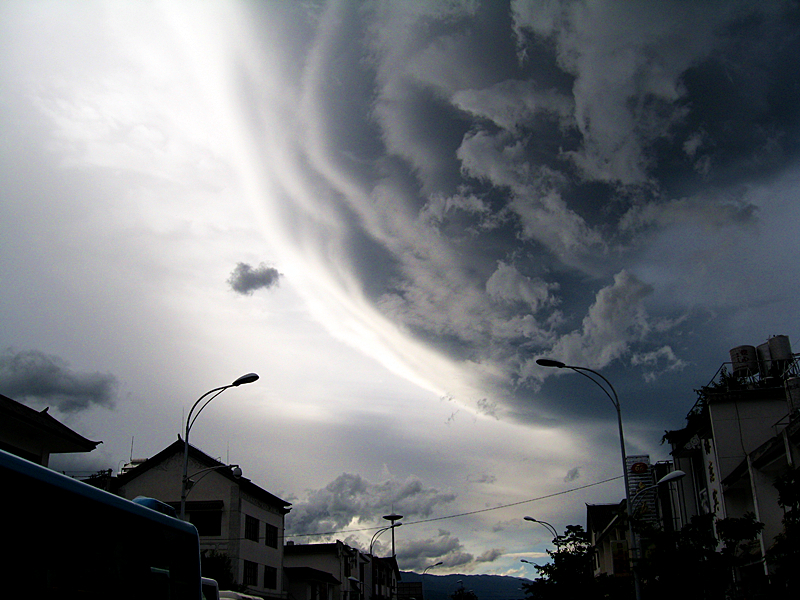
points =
(742, 426)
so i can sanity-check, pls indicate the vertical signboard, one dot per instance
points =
(640, 476)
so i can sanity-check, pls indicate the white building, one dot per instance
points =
(335, 571)
(607, 524)
(233, 516)
(743, 432)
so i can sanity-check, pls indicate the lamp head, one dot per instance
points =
(671, 476)
(249, 378)
(236, 471)
(531, 519)
(549, 362)
(393, 517)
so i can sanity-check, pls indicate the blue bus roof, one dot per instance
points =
(48, 476)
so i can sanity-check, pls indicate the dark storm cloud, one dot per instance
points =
(351, 496)
(32, 376)
(245, 279)
(416, 554)
(444, 547)
(531, 164)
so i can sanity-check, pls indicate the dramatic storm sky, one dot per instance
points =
(389, 210)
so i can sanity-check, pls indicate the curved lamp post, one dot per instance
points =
(430, 567)
(425, 570)
(379, 532)
(248, 378)
(671, 476)
(236, 471)
(546, 525)
(612, 395)
(392, 518)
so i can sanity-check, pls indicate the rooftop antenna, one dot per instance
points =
(131, 460)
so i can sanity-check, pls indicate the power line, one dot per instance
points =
(464, 514)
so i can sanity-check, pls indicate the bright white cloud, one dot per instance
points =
(616, 319)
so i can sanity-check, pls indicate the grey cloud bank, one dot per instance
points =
(575, 190)
(350, 498)
(38, 378)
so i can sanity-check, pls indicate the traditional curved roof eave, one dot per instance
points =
(62, 438)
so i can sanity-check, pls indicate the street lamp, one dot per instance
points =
(612, 395)
(392, 518)
(236, 471)
(379, 532)
(248, 378)
(669, 477)
(425, 570)
(547, 525)
(527, 561)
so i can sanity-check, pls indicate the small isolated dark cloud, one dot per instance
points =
(573, 474)
(487, 478)
(33, 376)
(245, 279)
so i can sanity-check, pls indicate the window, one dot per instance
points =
(271, 536)
(207, 522)
(206, 515)
(250, 573)
(270, 578)
(251, 528)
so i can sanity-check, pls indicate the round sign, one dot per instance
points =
(639, 468)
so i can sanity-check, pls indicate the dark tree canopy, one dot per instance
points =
(784, 555)
(570, 573)
(463, 594)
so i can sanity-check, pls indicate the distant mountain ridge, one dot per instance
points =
(486, 587)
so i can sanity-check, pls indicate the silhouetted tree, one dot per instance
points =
(462, 594)
(784, 554)
(218, 566)
(570, 573)
(697, 564)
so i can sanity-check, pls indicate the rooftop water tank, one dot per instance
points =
(745, 361)
(780, 348)
(764, 359)
(780, 351)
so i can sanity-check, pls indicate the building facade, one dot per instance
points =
(235, 518)
(352, 574)
(608, 535)
(607, 524)
(743, 433)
